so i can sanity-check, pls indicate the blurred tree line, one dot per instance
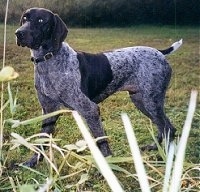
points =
(111, 12)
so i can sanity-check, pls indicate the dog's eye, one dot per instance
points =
(24, 18)
(40, 20)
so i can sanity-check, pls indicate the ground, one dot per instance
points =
(186, 76)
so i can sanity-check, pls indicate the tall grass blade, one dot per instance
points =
(100, 160)
(12, 108)
(160, 149)
(14, 188)
(33, 170)
(2, 90)
(17, 144)
(168, 169)
(38, 119)
(4, 106)
(120, 169)
(46, 186)
(137, 158)
(22, 141)
(178, 164)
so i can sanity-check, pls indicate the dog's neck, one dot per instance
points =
(43, 53)
(45, 47)
(40, 53)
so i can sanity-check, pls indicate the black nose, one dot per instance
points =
(20, 34)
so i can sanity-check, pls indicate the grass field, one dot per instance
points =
(186, 76)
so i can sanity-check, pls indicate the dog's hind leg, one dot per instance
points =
(152, 107)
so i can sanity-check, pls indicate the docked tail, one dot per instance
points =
(173, 48)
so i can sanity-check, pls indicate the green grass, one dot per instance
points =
(186, 76)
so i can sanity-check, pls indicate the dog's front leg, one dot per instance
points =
(90, 112)
(48, 125)
(92, 118)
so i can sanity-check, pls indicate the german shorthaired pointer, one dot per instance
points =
(79, 80)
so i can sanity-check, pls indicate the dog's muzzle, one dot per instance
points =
(24, 37)
(20, 37)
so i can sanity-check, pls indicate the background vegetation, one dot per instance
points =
(111, 12)
(186, 76)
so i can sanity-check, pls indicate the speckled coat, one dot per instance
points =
(79, 81)
(142, 71)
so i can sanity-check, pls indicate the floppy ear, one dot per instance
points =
(59, 32)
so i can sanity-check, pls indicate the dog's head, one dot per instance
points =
(41, 27)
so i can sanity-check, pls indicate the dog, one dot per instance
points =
(80, 80)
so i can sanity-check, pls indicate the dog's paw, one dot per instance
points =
(30, 163)
(104, 148)
(13, 165)
(33, 161)
(149, 147)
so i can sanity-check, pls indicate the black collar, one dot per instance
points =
(47, 56)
